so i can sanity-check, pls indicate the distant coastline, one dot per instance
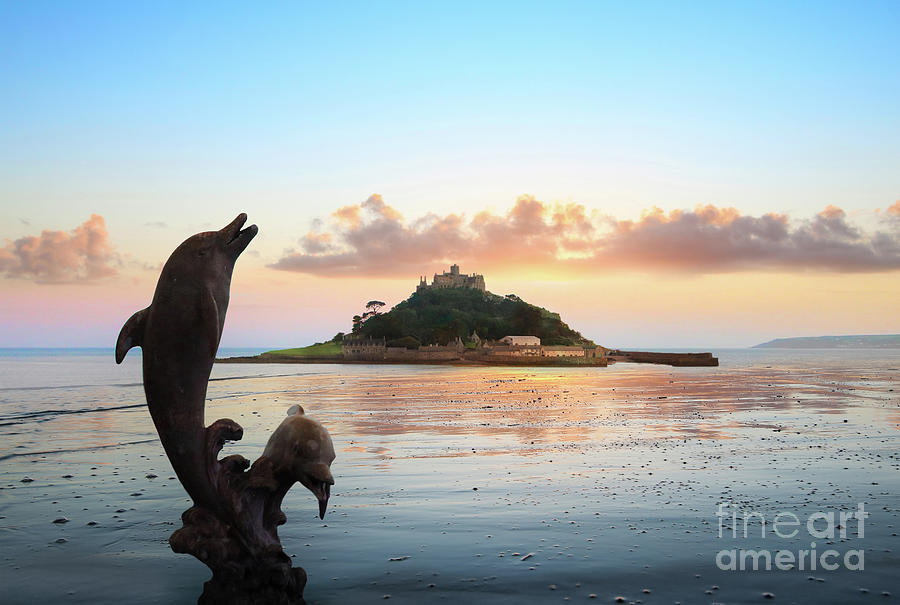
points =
(855, 341)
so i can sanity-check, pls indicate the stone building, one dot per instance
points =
(530, 347)
(528, 352)
(375, 349)
(354, 347)
(564, 351)
(453, 279)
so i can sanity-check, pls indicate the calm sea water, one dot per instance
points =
(611, 479)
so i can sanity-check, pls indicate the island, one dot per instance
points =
(852, 341)
(455, 320)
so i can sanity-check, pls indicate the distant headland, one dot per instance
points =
(854, 341)
(455, 320)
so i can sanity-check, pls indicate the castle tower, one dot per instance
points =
(453, 279)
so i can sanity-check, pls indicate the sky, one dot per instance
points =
(712, 175)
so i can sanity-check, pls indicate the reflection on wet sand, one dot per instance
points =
(577, 406)
(488, 485)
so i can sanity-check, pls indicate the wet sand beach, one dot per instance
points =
(487, 485)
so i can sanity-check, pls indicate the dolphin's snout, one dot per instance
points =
(235, 225)
(235, 238)
(322, 493)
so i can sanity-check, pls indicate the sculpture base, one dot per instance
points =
(263, 576)
(256, 590)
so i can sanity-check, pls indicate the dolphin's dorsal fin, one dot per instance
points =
(209, 312)
(132, 334)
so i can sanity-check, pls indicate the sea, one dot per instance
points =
(773, 476)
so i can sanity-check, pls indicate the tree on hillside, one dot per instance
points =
(374, 306)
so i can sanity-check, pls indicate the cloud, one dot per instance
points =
(83, 255)
(373, 239)
(317, 243)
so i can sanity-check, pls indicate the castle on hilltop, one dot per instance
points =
(453, 279)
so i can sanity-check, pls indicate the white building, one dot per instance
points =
(527, 341)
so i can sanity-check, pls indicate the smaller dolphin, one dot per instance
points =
(300, 449)
(179, 334)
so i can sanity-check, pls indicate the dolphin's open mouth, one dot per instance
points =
(237, 239)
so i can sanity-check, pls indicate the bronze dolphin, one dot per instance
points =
(179, 334)
(301, 450)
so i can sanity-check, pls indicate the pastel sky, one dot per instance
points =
(710, 175)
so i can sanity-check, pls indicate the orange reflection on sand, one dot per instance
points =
(436, 411)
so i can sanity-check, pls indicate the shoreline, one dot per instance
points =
(545, 362)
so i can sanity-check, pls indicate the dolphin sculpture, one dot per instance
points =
(232, 526)
(179, 334)
(301, 450)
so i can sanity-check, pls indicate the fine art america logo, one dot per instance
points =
(736, 522)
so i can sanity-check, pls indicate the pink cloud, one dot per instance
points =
(83, 255)
(372, 239)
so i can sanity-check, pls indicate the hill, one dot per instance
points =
(320, 349)
(856, 341)
(439, 315)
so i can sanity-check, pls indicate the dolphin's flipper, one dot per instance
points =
(209, 312)
(132, 334)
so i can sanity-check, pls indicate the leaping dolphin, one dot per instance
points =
(179, 334)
